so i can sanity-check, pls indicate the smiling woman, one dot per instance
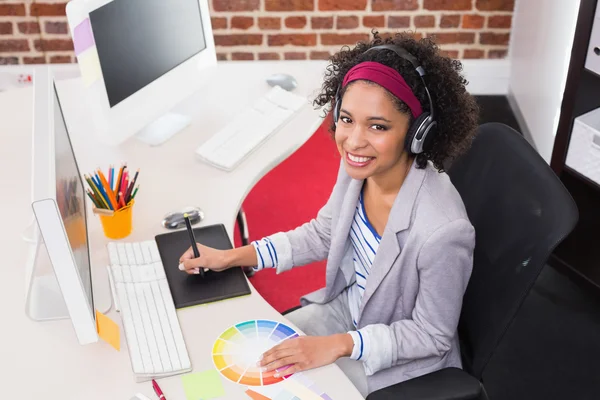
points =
(395, 233)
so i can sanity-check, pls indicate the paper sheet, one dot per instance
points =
(203, 385)
(108, 330)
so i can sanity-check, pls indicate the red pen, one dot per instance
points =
(157, 390)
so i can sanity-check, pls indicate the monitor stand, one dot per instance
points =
(162, 129)
(44, 299)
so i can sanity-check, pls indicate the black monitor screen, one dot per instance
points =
(140, 40)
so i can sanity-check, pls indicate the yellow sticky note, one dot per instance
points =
(89, 64)
(203, 385)
(108, 330)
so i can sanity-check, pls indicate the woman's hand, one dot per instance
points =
(210, 258)
(306, 352)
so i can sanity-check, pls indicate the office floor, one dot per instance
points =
(551, 351)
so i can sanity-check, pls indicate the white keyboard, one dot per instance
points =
(250, 128)
(142, 295)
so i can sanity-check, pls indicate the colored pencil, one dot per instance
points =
(102, 191)
(91, 196)
(95, 189)
(118, 182)
(109, 192)
(110, 177)
(131, 185)
(134, 192)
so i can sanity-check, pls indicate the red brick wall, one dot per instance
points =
(36, 31)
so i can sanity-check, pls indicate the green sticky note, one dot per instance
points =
(203, 385)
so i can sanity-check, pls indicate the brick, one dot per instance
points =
(424, 21)
(12, 10)
(450, 21)
(238, 40)
(294, 55)
(453, 37)
(447, 4)
(289, 5)
(9, 60)
(47, 9)
(218, 22)
(499, 21)
(34, 60)
(56, 27)
(472, 21)
(242, 22)
(53, 45)
(321, 22)
(6, 28)
(346, 22)
(493, 38)
(398, 21)
(373, 21)
(497, 53)
(296, 22)
(341, 39)
(394, 5)
(62, 59)
(242, 56)
(473, 53)
(319, 55)
(221, 57)
(269, 23)
(336, 5)
(268, 56)
(237, 5)
(296, 39)
(29, 27)
(13, 45)
(450, 53)
(495, 5)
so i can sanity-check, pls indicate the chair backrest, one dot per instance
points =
(521, 211)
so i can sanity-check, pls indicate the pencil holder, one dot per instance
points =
(119, 224)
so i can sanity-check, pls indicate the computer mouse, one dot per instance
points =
(175, 219)
(286, 81)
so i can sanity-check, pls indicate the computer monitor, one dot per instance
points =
(58, 202)
(139, 59)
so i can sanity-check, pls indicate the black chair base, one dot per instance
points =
(445, 384)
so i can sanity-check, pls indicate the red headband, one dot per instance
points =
(389, 79)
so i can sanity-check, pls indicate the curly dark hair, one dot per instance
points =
(456, 111)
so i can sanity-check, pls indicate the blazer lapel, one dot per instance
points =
(398, 220)
(339, 241)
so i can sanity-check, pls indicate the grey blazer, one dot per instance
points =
(413, 297)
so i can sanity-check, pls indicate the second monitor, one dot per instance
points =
(139, 59)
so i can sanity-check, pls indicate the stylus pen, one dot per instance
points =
(193, 241)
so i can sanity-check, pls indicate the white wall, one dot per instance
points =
(540, 51)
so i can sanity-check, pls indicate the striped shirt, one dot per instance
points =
(365, 242)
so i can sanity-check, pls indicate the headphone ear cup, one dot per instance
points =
(416, 130)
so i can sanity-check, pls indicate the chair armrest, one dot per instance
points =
(445, 384)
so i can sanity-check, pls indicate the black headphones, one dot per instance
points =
(423, 128)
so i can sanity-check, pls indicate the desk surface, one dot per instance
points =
(43, 360)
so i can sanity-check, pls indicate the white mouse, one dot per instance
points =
(286, 81)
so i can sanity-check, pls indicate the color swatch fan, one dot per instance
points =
(237, 350)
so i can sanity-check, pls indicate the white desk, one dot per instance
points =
(43, 360)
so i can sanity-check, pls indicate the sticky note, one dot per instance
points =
(83, 37)
(203, 385)
(108, 330)
(256, 396)
(89, 64)
(299, 390)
